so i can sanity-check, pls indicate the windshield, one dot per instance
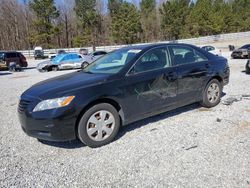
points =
(113, 62)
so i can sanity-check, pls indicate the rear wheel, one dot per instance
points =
(99, 125)
(212, 94)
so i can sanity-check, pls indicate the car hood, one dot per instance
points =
(58, 86)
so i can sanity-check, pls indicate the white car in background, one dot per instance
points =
(211, 49)
(88, 59)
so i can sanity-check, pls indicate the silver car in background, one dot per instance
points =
(91, 57)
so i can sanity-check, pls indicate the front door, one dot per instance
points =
(151, 84)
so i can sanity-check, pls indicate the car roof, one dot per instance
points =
(11, 52)
(148, 46)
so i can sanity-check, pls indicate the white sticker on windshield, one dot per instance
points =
(134, 51)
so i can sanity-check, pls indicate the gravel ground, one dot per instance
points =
(187, 147)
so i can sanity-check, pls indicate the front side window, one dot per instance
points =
(153, 59)
(185, 55)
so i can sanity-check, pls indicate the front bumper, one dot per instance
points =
(51, 125)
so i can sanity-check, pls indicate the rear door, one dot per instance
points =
(193, 69)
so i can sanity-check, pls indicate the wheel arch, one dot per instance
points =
(217, 77)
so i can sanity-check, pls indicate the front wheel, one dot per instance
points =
(99, 125)
(212, 94)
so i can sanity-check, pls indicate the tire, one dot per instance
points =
(96, 135)
(55, 68)
(84, 64)
(212, 99)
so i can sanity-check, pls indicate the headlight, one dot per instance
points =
(53, 103)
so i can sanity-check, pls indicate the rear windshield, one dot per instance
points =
(11, 54)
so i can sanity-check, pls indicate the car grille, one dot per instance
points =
(23, 105)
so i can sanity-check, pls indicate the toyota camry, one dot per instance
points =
(121, 87)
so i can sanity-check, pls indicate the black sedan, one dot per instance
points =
(121, 87)
(242, 52)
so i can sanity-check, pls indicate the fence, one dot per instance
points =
(199, 40)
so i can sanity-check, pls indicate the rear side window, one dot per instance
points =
(11, 55)
(184, 55)
(20, 55)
